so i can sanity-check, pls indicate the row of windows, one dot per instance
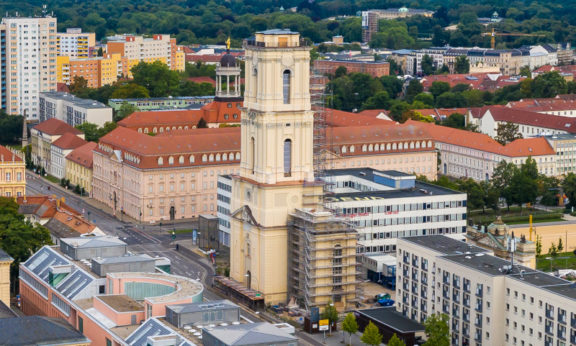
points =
(388, 146)
(205, 158)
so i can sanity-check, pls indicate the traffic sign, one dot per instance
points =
(323, 325)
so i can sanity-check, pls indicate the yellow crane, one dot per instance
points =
(493, 35)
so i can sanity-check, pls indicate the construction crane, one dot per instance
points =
(493, 35)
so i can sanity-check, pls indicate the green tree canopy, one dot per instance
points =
(330, 313)
(349, 325)
(371, 335)
(125, 110)
(549, 85)
(437, 330)
(157, 78)
(507, 132)
(427, 65)
(125, 90)
(462, 64)
(395, 341)
(438, 88)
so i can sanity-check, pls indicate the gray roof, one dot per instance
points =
(278, 32)
(445, 245)
(91, 242)
(124, 259)
(41, 262)
(388, 316)
(250, 334)
(152, 327)
(60, 229)
(5, 311)
(4, 256)
(205, 306)
(46, 330)
(84, 103)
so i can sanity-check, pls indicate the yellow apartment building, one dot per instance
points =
(79, 166)
(12, 174)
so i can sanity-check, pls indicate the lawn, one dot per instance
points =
(515, 215)
(52, 178)
(565, 260)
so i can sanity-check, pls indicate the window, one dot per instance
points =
(108, 342)
(286, 86)
(80, 325)
(287, 157)
(252, 158)
(160, 161)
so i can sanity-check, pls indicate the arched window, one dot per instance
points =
(400, 146)
(160, 161)
(370, 147)
(186, 127)
(161, 130)
(140, 130)
(155, 130)
(211, 158)
(191, 158)
(377, 147)
(388, 146)
(393, 146)
(286, 86)
(429, 144)
(145, 130)
(352, 149)
(237, 156)
(181, 160)
(251, 158)
(423, 144)
(417, 145)
(344, 149)
(364, 147)
(173, 127)
(179, 127)
(224, 157)
(287, 158)
(411, 145)
(235, 116)
(255, 74)
(217, 157)
(171, 160)
(204, 158)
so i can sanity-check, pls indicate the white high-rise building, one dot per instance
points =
(30, 53)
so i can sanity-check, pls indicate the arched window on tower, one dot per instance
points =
(287, 158)
(286, 86)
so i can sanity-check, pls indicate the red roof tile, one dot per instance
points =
(338, 118)
(202, 80)
(528, 147)
(54, 126)
(83, 155)
(69, 141)
(519, 116)
(7, 156)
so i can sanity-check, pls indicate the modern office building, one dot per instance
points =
(384, 206)
(160, 103)
(489, 300)
(30, 51)
(12, 173)
(73, 110)
(76, 44)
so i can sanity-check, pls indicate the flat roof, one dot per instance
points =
(123, 259)
(445, 245)
(278, 32)
(224, 304)
(388, 316)
(86, 103)
(121, 303)
(487, 264)
(567, 290)
(538, 278)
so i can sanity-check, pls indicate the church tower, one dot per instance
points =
(276, 170)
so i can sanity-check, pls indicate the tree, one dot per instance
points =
(502, 180)
(350, 326)
(392, 85)
(525, 71)
(395, 341)
(90, 131)
(157, 78)
(379, 101)
(371, 335)
(426, 99)
(330, 313)
(462, 64)
(491, 195)
(129, 91)
(19, 237)
(11, 126)
(202, 124)
(507, 133)
(560, 246)
(455, 120)
(125, 110)
(451, 100)
(78, 85)
(538, 245)
(427, 65)
(437, 330)
(438, 88)
(414, 88)
(340, 71)
(553, 250)
(549, 84)
(569, 187)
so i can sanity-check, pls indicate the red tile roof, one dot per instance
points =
(147, 149)
(482, 142)
(7, 156)
(202, 80)
(83, 155)
(54, 126)
(338, 118)
(479, 81)
(528, 147)
(44, 206)
(544, 105)
(69, 141)
(374, 113)
(519, 116)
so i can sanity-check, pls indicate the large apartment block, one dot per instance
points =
(490, 301)
(30, 56)
(76, 44)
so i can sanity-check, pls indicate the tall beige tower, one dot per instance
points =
(276, 170)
